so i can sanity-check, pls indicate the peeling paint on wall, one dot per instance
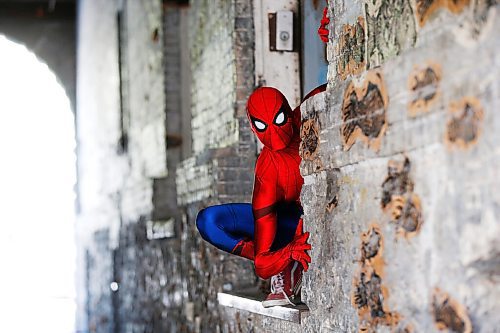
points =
(424, 88)
(371, 243)
(309, 144)
(425, 8)
(465, 123)
(390, 28)
(449, 314)
(369, 294)
(364, 111)
(351, 49)
(399, 200)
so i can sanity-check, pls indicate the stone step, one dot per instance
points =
(250, 300)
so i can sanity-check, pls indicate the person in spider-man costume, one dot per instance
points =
(269, 230)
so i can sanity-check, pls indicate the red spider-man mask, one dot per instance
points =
(271, 117)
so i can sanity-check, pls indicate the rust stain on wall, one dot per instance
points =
(424, 88)
(351, 58)
(449, 314)
(399, 200)
(425, 8)
(364, 112)
(465, 123)
(369, 293)
(309, 134)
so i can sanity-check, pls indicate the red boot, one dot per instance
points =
(285, 287)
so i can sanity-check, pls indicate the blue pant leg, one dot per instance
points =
(226, 225)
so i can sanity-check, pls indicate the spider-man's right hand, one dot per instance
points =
(298, 247)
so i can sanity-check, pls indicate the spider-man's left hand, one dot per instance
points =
(323, 30)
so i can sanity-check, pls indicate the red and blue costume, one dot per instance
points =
(268, 231)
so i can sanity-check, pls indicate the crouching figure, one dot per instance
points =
(269, 230)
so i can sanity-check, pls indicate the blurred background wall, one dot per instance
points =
(399, 157)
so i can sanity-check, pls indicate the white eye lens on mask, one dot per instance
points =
(280, 118)
(259, 125)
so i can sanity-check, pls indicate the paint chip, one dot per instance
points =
(364, 112)
(371, 242)
(399, 201)
(309, 145)
(369, 293)
(465, 123)
(449, 314)
(424, 88)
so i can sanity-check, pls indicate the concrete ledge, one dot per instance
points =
(250, 301)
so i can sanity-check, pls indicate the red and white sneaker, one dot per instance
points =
(293, 275)
(285, 286)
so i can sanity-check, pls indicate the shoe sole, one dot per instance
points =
(280, 302)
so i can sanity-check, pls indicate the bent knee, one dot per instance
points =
(261, 269)
(204, 222)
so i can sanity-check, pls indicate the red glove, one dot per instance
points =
(299, 246)
(270, 263)
(323, 30)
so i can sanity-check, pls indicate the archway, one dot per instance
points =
(37, 176)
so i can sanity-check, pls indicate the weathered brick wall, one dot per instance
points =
(213, 68)
(221, 46)
(221, 168)
(149, 273)
(95, 312)
(398, 178)
(401, 173)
